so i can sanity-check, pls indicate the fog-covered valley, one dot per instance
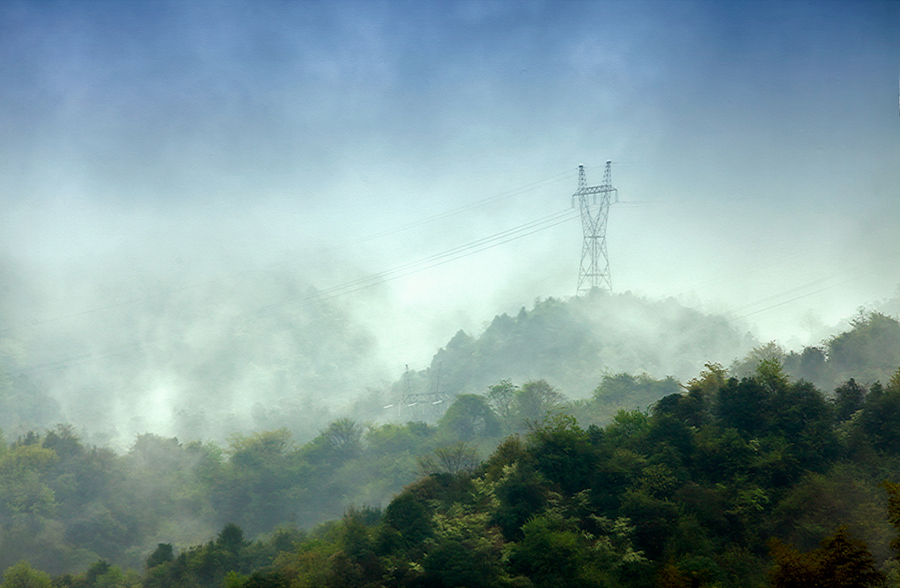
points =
(119, 349)
(219, 220)
(288, 294)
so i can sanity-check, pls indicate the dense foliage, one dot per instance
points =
(725, 481)
(867, 352)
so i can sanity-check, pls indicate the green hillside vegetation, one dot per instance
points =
(575, 343)
(865, 353)
(729, 483)
(763, 479)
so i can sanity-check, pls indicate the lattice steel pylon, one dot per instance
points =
(423, 406)
(594, 270)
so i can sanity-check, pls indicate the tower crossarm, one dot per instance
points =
(595, 190)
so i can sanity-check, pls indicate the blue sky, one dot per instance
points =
(756, 149)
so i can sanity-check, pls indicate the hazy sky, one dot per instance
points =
(756, 150)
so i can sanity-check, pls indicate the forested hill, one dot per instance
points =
(728, 483)
(574, 343)
(516, 487)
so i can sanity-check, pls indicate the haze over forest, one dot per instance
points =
(215, 215)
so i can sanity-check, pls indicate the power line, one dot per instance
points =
(374, 236)
(808, 294)
(459, 210)
(453, 254)
(404, 270)
(557, 221)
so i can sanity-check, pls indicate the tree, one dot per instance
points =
(811, 364)
(535, 399)
(626, 390)
(465, 551)
(668, 431)
(805, 419)
(470, 418)
(550, 553)
(406, 523)
(521, 493)
(231, 538)
(848, 398)
(770, 352)
(628, 429)
(452, 459)
(344, 438)
(709, 381)
(745, 406)
(690, 409)
(557, 551)
(560, 450)
(893, 491)
(64, 441)
(894, 382)
(162, 554)
(879, 420)
(260, 449)
(23, 494)
(501, 398)
(22, 575)
(840, 562)
(263, 579)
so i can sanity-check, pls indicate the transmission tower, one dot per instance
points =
(425, 406)
(594, 270)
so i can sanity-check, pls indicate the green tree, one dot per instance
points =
(261, 486)
(231, 538)
(550, 553)
(628, 430)
(465, 551)
(64, 441)
(502, 398)
(840, 562)
(879, 421)
(260, 449)
(407, 523)
(521, 493)
(626, 390)
(811, 365)
(22, 575)
(561, 452)
(344, 438)
(805, 418)
(265, 579)
(470, 418)
(848, 398)
(893, 492)
(556, 550)
(709, 381)
(535, 399)
(745, 406)
(161, 555)
(451, 459)
(748, 366)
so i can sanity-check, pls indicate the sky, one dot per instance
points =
(367, 148)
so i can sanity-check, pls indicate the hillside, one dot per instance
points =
(574, 343)
(694, 488)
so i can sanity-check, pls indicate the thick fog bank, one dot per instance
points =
(178, 353)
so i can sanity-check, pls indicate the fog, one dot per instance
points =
(241, 216)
